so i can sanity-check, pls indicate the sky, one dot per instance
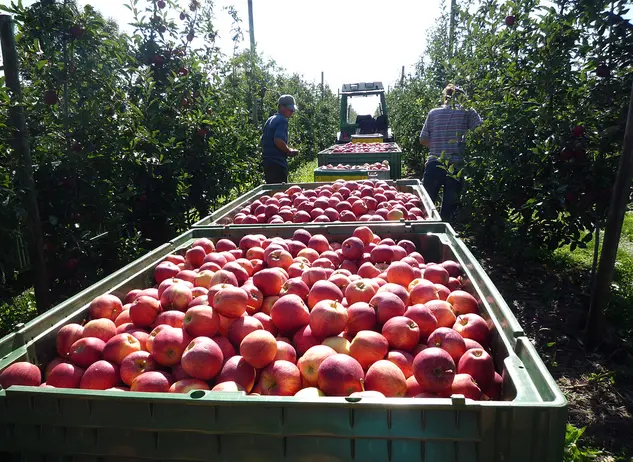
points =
(348, 40)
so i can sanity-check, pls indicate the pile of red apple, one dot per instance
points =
(365, 200)
(270, 316)
(384, 165)
(355, 148)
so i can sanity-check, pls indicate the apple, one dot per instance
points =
(240, 273)
(367, 347)
(479, 365)
(422, 291)
(387, 305)
(65, 375)
(436, 274)
(401, 332)
(151, 382)
(105, 306)
(100, 376)
(259, 348)
(86, 351)
(323, 290)
(434, 370)
(448, 340)
(462, 302)
(341, 281)
(135, 364)
(171, 318)
(165, 270)
(281, 378)
(352, 248)
(368, 271)
(228, 386)
(237, 370)
(309, 392)
(102, 328)
(119, 346)
(413, 387)
(144, 310)
(309, 363)
(302, 236)
(230, 302)
(290, 313)
(175, 297)
(21, 373)
(328, 318)
(241, 327)
(364, 233)
(269, 281)
(66, 336)
(387, 378)
(286, 352)
(55, 362)
(442, 311)
(494, 390)
(168, 345)
(123, 318)
(400, 273)
(360, 316)
(424, 318)
(464, 384)
(382, 254)
(402, 359)
(474, 327)
(396, 289)
(339, 344)
(295, 286)
(340, 375)
(224, 277)
(303, 339)
(202, 359)
(360, 291)
(187, 385)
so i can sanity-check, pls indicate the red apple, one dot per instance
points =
(269, 281)
(175, 297)
(360, 316)
(413, 387)
(340, 375)
(295, 286)
(290, 313)
(241, 327)
(285, 352)
(66, 336)
(422, 291)
(144, 310)
(21, 373)
(87, 351)
(494, 389)
(105, 306)
(367, 347)
(188, 384)
(436, 274)
(401, 332)
(352, 248)
(360, 291)
(259, 348)
(387, 306)
(474, 327)
(165, 270)
(479, 365)
(328, 318)
(152, 335)
(281, 378)
(135, 364)
(237, 370)
(400, 273)
(403, 360)
(202, 359)
(442, 311)
(102, 328)
(205, 243)
(448, 340)
(119, 346)
(424, 318)
(387, 378)
(339, 344)
(168, 346)
(65, 375)
(309, 363)
(462, 302)
(151, 382)
(230, 302)
(100, 376)
(396, 289)
(464, 384)
(434, 370)
(364, 233)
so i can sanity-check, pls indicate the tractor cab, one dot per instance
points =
(363, 126)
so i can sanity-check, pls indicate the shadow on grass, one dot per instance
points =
(550, 298)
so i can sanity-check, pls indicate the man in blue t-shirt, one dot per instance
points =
(274, 142)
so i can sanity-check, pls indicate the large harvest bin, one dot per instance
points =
(225, 214)
(325, 175)
(56, 424)
(326, 157)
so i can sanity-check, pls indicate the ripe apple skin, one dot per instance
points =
(259, 348)
(387, 378)
(280, 378)
(367, 347)
(448, 340)
(434, 370)
(21, 373)
(237, 370)
(474, 327)
(479, 365)
(401, 332)
(464, 384)
(202, 359)
(328, 318)
(340, 375)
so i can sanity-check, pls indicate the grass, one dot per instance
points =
(304, 173)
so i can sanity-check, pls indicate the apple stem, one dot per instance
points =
(362, 384)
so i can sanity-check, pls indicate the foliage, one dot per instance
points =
(135, 137)
(551, 90)
(19, 309)
(573, 453)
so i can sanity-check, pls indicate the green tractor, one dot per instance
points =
(364, 125)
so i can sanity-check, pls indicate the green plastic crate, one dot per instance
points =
(56, 424)
(322, 175)
(225, 214)
(394, 158)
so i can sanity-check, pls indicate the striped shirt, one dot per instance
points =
(446, 128)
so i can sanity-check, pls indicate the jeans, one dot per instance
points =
(434, 178)
(275, 173)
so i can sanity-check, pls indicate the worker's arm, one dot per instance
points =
(283, 147)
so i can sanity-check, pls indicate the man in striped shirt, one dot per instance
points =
(444, 133)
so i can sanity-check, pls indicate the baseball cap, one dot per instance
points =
(288, 101)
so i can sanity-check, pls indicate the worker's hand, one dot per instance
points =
(293, 152)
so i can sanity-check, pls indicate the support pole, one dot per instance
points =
(322, 85)
(402, 77)
(451, 32)
(251, 31)
(22, 150)
(613, 229)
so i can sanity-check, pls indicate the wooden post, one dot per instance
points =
(451, 32)
(322, 85)
(20, 142)
(613, 229)
(402, 77)
(251, 31)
